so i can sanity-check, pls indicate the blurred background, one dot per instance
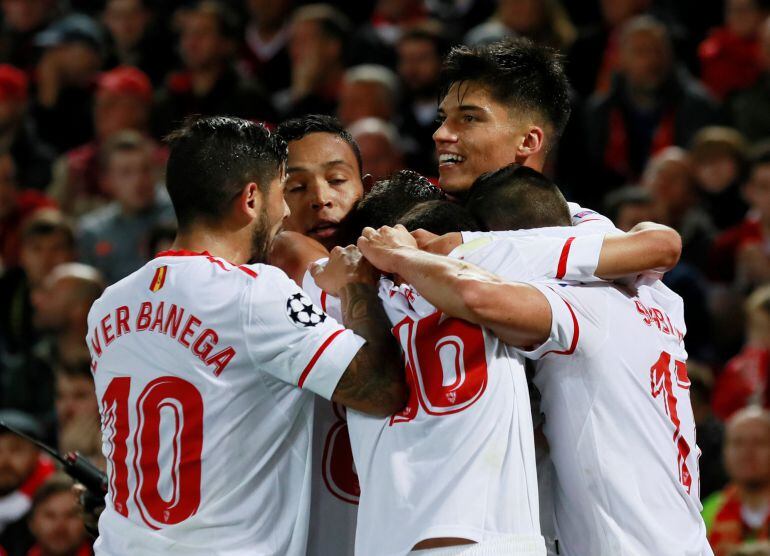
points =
(670, 122)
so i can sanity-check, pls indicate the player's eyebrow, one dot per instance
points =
(293, 169)
(337, 162)
(471, 108)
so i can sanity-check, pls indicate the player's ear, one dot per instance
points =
(250, 200)
(532, 143)
(368, 181)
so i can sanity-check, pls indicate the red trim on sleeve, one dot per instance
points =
(323, 301)
(589, 220)
(318, 354)
(248, 271)
(561, 270)
(575, 336)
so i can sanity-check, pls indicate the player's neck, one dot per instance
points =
(234, 247)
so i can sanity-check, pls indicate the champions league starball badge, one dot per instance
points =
(302, 312)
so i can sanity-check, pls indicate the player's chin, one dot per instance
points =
(454, 182)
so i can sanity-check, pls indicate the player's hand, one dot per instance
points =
(439, 245)
(381, 246)
(345, 266)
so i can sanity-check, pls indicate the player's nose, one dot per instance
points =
(444, 134)
(320, 196)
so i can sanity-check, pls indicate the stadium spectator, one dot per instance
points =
(114, 238)
(729, 57)
(122, 102)
(208, 84)
(55, 520)
(629, 206)
(373, 42)
(741, 252)
(720, 162)
(265, 53)
(68, 67)
(741, 511)
(669, 179)
(420, 52)
(710, 428)
(651, 105)
(745, 379)
(77, 413)
(380, 145)
(324, 178)
(317, 39)
(16, 205)
(47, 240)
(594, 57)
(32, 157)
(750, 109)
(543, 21)
(23, 469)
(368, 91)
(22, 21)
(135, 39)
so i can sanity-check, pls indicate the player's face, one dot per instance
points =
(477, 135)
(17, 460)
(57, 525)
(271, 219)
(323, 184)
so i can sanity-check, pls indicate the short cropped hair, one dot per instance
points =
(517, 197)
(212, 159)
(299, 128)
(57, 483)
(332, 22)
(439, 217)
(518, 73)
(390, 198)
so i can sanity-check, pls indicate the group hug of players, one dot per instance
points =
(377, 398)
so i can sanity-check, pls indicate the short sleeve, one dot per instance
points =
(537, 257)
(329, 304)
(291, 338)
(565, 326)
(588, 218)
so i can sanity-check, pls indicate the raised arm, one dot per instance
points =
(374, 382)
(647, 247)
(518, 313)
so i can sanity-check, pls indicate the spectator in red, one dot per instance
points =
(47, 240)
(651, 105)
(56, 522)
(720, 161)
(745, 379)
(317, 39)
(740, 513)
(209, 84)
(16, 205)
(265, 53)
(23, 469)
(135, 39)
(123, 102)
(750, 109)
(22, 21)
(66, 73)
(33, 158)
(743, 251)
(729, 56)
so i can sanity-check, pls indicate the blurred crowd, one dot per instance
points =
(670, 122)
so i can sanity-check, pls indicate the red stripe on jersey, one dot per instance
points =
(248, 271)
(318, 354)
(182, 253)
(588, 220)
(323, 301)
(561, 270)
(575, 336)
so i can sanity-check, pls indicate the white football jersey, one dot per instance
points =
(459, 460)
(619, 423)
(204, 372)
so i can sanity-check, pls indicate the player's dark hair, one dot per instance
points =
(439, 217)
(212, 159)
(517, 197)
(390, 198)
(517, 73)
(299, 128)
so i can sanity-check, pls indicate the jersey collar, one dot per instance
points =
(182, 253)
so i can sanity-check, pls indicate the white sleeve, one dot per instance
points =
(328, 303)
(565, 326)
(526, 258)
(588, 218)
(291, 338)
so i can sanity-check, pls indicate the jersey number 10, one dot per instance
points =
(183, 407)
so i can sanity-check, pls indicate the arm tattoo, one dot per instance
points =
(375, 375)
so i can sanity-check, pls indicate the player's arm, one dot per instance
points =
(374, 381)
(293, 253)
(518, 313)
(647, 247)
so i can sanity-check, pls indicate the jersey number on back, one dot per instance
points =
(661, 384)
(446, 364)
(179, 404)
